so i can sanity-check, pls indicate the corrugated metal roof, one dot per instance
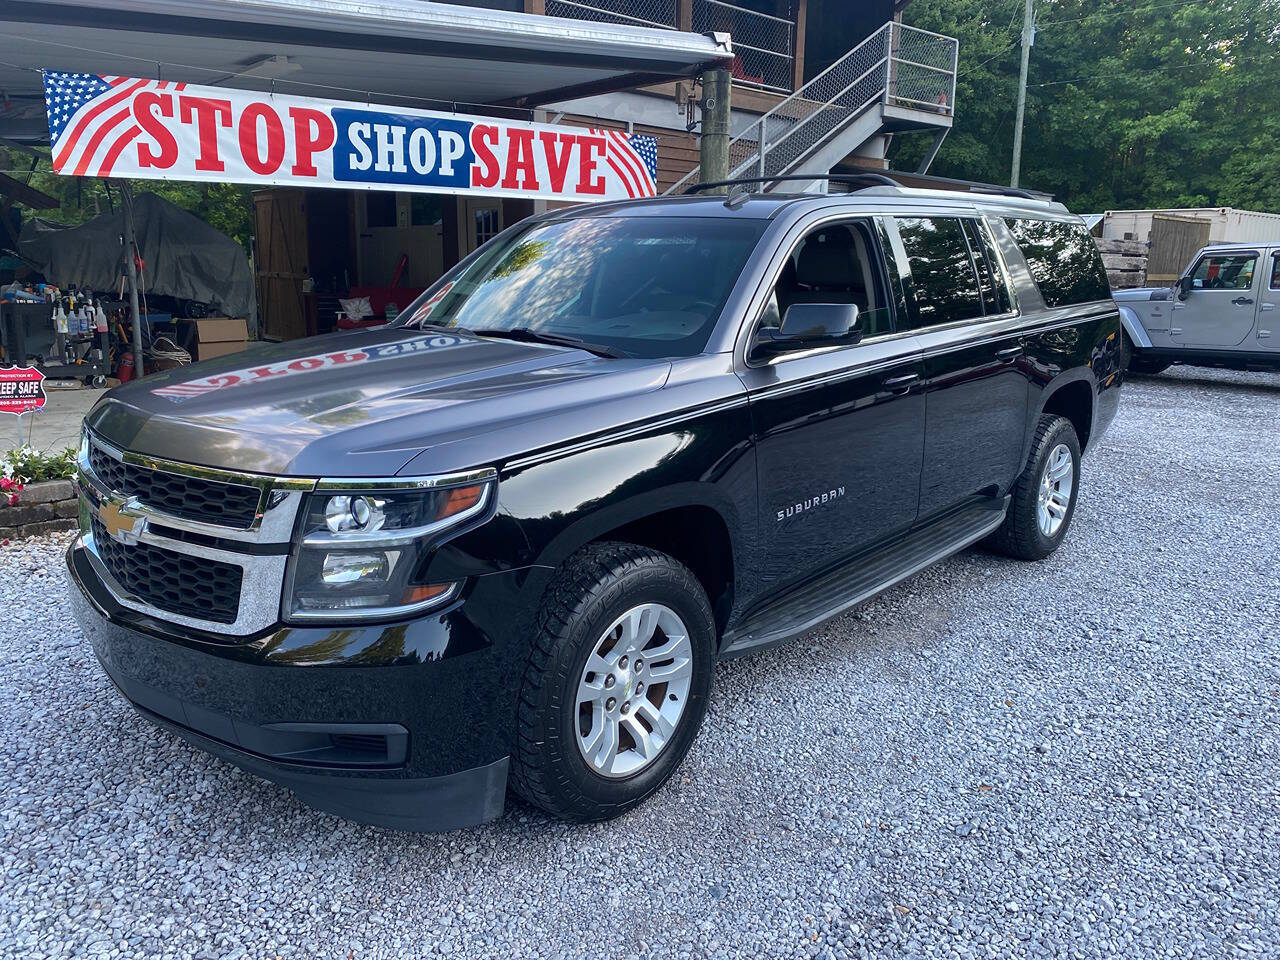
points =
(345, 49)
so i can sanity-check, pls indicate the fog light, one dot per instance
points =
(345, 568)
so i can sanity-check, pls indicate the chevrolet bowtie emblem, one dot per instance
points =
(122, 523)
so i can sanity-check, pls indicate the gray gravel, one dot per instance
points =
(1077, 758)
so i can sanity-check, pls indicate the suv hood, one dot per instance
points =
(356, 404)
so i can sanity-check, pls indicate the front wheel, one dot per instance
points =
(1043, 498)
(1136, 363)
(617, 682)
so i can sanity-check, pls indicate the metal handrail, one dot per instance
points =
(891, 35)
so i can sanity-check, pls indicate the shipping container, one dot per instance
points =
(1226, 224)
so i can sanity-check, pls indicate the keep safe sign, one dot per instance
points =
(109, 126)
(21, 390)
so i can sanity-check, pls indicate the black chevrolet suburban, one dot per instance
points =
(501, 542)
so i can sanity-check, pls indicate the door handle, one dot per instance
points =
(1009, 353)
(1268, 306)
(1242, 301)
(902, 383)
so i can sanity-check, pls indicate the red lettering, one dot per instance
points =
(557, 160)
(225, 380)
(143, 104)
(261, 373)
(312, 133)
(250, 149)
(306, 363)
(520, 161)
(349, 357)
(589, 150)
(209, 114)
(483, 137)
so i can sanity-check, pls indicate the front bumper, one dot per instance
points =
(406, 725)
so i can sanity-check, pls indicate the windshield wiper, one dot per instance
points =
(526, 335)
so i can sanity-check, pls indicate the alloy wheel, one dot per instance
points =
(1056, 487)
(633, 690)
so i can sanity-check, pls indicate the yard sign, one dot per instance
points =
(109, 126)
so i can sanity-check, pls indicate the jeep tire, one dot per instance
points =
(610, 605)
(1136, 363)
(1043, 498)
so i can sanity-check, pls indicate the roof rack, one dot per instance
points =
(859, 181)
(862, 180)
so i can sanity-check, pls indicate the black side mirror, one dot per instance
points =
(1185, 285)
(807, 326)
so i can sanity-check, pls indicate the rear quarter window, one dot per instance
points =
(1064, 261)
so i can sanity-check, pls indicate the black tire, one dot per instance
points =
(591, 591)
(1138, 364)
(1020, 535)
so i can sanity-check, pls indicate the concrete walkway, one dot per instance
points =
(57, 426)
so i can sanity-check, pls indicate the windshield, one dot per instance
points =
(642, 286)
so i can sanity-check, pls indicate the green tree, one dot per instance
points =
(227, 207)
(1147, 103)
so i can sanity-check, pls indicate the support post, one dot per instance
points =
(131, 272)
(714, 149)
(933, 150)
(1028, 37)
(760, 147)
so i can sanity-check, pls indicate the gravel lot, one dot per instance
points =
(1077, 758)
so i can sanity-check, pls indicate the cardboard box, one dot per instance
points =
(221, 330)
(218, 336)
(210, 350)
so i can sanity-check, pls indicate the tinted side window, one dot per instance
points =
(1064, 261)
(1228, 272)
(995, 295)
(942, 272)
(1275, 271)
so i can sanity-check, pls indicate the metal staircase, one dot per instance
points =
(900, 77)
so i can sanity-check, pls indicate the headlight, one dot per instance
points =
(362, 548)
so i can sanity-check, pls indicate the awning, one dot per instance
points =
(344, 49)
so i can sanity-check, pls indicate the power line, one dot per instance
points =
(1103, 15)
(1005, 49)
(1131, 73)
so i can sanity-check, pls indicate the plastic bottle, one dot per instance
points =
(100, 319)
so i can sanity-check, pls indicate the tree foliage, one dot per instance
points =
(227, 207)
(1130, 103)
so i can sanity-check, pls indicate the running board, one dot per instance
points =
(863, 577)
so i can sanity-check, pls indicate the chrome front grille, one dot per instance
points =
(183, 496)
(170, 581)
(185, 544)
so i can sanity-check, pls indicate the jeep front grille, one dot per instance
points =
(185, 497)
(174, 582)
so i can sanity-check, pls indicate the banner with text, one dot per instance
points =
(108, 126)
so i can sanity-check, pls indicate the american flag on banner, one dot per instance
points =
(91, 119)
(112, 126)
(634, 158)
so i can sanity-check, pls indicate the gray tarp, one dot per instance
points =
(185, 257)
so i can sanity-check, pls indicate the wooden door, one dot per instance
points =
(1174, 242)
(280, 231)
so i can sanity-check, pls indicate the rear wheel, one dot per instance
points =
(1043, 498)
(616, 685)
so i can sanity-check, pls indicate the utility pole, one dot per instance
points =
(714, 149)
(1028, 38)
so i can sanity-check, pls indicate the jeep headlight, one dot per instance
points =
(362, 546)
